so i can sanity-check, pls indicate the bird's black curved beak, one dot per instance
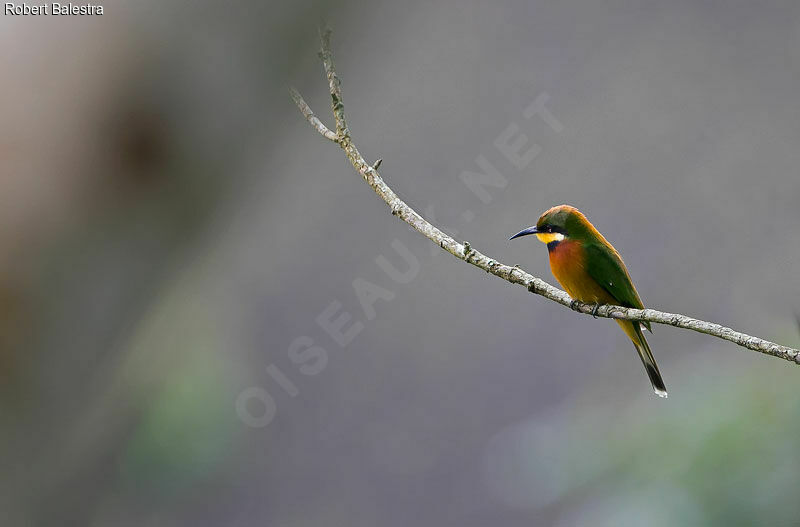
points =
(525, 232)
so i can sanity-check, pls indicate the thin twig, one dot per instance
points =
(315, 122)
(334, 84)
(513, 274)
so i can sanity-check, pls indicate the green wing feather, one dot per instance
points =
(606, 267)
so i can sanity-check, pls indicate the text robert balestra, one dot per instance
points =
(54, 8)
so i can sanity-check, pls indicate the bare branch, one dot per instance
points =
(515, 275)
(310, 117)
(334, 83)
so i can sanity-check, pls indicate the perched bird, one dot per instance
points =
(592, 271)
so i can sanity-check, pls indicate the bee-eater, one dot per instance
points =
(591, 270)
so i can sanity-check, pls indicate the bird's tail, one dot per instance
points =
(634, 331)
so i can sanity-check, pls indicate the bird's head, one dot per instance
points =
(558, 224)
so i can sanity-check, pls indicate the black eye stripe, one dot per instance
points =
(551, 228)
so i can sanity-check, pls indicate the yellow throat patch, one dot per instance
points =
(547, 237)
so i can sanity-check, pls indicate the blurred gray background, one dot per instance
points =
(170, 226)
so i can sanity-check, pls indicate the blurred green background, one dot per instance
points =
(170, 227)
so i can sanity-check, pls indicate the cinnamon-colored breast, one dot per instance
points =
(568, 264)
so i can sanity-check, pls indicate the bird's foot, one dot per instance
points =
(594, 309)
(573, 305)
